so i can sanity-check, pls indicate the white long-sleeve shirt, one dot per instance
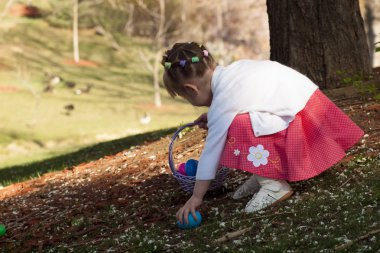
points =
(270, 92)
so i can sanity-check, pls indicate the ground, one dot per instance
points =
(126, 202)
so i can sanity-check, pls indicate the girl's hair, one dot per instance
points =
(185, 61)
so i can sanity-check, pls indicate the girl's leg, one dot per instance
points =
(271, 192)
(249, 187)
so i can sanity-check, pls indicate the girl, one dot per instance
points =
(263, 117)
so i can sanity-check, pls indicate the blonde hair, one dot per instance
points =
(184, 62)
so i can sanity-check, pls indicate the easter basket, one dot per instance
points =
(187, 182)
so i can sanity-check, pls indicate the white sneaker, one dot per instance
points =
(270, 193)
(249, 187)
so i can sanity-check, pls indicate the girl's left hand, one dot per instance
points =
(190, 206)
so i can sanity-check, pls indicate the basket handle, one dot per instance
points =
(171, 162)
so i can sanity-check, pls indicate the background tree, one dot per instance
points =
(75, 31)
(164, 28)
(371, 12)
(320, 38)
(225, 28)
(9, 3)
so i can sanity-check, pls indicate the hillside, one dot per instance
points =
(126, 202)
(52, 106)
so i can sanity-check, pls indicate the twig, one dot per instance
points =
(143, 6)
(345, 182)
(238, 233)
(350, 243)
(232, 235)
(115, 45)
(145, 59)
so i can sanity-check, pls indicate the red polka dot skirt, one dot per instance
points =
(315, 140)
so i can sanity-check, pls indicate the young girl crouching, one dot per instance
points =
(263, 117)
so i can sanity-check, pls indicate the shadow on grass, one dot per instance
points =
(20, 173)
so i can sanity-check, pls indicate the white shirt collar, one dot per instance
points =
(215, 77)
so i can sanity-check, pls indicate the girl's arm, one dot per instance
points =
(202, 121)
(194, 202)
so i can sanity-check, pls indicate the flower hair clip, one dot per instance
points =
(182, 63)
(168, 65)
(195, 59)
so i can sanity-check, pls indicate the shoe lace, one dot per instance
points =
(266, 199)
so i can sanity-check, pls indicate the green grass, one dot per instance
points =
(332, 209)
(23, 172)
(34, 124)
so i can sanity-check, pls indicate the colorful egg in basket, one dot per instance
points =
(187, 179)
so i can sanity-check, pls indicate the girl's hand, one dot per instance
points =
(191, 205)
(201, 121)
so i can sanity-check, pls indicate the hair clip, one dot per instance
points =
(182, 63)
(168, 65)
(205, 53)
(195, 59)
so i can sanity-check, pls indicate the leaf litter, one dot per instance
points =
(127, 202)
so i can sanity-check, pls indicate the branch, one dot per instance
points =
(143, 6)
(238, 233)
(350, 243)
(115, 45)
(233, 235)
(145, 59)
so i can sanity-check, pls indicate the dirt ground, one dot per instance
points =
(75, 206)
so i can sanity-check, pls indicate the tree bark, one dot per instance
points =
(319, 38)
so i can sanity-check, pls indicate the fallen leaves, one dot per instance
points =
(113, 196)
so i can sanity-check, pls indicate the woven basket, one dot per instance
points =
(187, 182)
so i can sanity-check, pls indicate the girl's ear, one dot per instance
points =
(191, 89)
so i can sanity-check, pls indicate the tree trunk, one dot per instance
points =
(75, 31)
(156, 79)
(372, 23)
(128, 28)
(6, 8)
(160, 38)
(184, 9)
(320, 38)
(161, 25)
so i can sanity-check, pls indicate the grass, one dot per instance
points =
(323, 216)
(35, 126)
(23, 172)
(333, 209)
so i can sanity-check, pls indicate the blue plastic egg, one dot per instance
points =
(191, 167)
(192, 222)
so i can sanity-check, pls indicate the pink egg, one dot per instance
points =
(181, 169)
